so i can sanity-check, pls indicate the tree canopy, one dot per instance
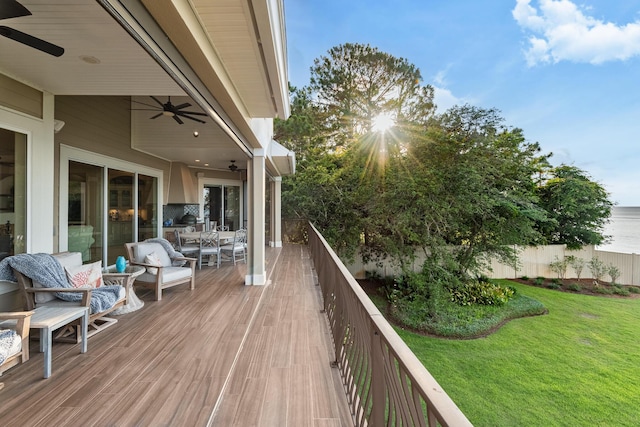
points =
(579, 208)
(461, 185)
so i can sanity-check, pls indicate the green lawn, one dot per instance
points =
(577, 366)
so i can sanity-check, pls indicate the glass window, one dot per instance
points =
(121, 213)
(13, 192)
(86, 211)
(147, 207)
(222, 205)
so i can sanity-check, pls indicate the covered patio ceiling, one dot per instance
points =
(101, 58)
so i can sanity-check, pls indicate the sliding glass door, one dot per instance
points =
(108, 204)
(121, 213)
(13, 192)
(222, 203)
(85, 214)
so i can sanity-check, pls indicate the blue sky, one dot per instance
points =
(566, 72)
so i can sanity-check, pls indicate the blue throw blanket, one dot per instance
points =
(44, 268)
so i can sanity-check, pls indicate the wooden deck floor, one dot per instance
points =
(224, 354)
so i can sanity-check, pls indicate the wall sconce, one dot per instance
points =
(57, 125)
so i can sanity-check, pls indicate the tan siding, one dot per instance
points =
(102, 125)
(20, 97)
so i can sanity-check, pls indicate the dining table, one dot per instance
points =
(224, 236)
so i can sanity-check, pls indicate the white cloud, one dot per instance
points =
(561, 31)
(444, 99)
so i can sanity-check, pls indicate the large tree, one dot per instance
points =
(482, 176)
(579, 207)
(462, 179)
(355, 83)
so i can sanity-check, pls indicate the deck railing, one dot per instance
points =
(385, 382)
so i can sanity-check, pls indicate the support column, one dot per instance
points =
(275, 231)
(256, 177)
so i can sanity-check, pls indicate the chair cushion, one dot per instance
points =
(10, 344)
(66, 259)
(141, 250)
(152, 259)
(209, 251)
(169, 274)
(85, 276)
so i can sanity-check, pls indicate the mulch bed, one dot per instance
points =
(586, 286)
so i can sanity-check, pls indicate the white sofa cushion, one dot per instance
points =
(169, 274)
(141, 250)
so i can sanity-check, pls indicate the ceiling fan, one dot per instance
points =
(170, 110)
(13, 9)
(233, 167)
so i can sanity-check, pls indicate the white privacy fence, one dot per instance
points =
(534, 262)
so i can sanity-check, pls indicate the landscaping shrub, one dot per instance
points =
(603, 290)
(634, 289)
(553, 285)
(614, 273)
(618, 290)
(574, 287)
(577, 264)
(559, 267)
(539, 281)
(598, 268)
(525, 278)
(481, 292)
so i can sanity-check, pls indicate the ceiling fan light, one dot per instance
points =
(168, 113)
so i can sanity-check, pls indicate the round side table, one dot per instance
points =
(133, 303)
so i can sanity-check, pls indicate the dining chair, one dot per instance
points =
(184, 248)
(222, 228)
(237, 249)
(209, 245)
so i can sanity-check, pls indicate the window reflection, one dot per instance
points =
(13, 173)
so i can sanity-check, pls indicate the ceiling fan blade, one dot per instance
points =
(157, 100)
(156, 116)
(31, 41)
(12, 9)
(193, 113)
(181, 106)
(190, 118)
(143, 103)
(177, 119)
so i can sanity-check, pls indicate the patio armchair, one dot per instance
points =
(184, 247)
(209, 246)
(36, 294)
(14, 345)
(161, 270)
(238, 248)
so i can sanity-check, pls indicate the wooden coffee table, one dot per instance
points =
(50, 318)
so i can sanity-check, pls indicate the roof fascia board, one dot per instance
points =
(274, 50)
